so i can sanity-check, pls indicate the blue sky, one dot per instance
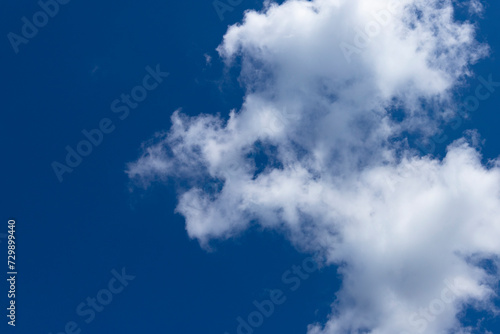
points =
(198, 261)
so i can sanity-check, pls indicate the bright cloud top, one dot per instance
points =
(316, 152)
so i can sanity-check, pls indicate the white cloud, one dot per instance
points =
(334, 178)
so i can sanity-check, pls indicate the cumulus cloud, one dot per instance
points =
(318, 151)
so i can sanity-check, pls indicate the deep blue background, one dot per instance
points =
(72, 234)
